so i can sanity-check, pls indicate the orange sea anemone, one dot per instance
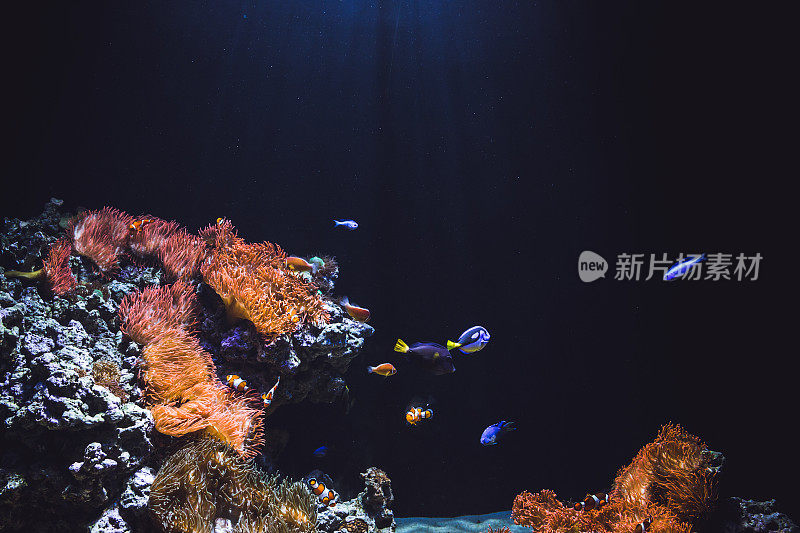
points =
(101, 236)
(254, 285)
(183, 391)
(668, 482)
(56, 267)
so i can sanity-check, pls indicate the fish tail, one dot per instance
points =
(508, 426)
(337, 223)
(400, 346)
(451, 345)
(370, 369)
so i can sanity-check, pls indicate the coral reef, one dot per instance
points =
(184, 392)
(69, 443)
(671, 481)
(101, 236)
(676, 470)
(738, 515)
(206, 483)
(77, 441)
(255, 285)
(370, 510)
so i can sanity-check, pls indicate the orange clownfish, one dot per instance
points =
(415, 414)
(325, 495)
(592, 501)
(237, 383)
(385, 370)
(359, 313)
(643, 526)
(298, 264)
(267, 396)
(137, 225)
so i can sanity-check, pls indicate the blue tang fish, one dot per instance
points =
(322, 451)
(681, 268)
(349, 224)
(495, 431)
(434, 357)
(472, 340)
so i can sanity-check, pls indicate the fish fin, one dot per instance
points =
(370, 369)
(401, 347)
(344, 300)
(451, 345)
(508, 426)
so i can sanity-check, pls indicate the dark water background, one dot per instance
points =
(482, 146)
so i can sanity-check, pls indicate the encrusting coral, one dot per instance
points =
(670, 482)
(206, 484)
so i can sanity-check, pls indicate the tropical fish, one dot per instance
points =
(643, 526)
(324, 494)
(298, 264)
(592, 501)
(472, 340)
(137, 225)
(237, 383)
(349, 224)
(682, 267)
(320, 452)
(415, 414)
(347, 401)
(491, 434)
(317, 263)
(359, 313)
(434, 357)
(384, 369)
(267, 396)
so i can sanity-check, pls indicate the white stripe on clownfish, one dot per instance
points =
(236, 383)
(267, 396)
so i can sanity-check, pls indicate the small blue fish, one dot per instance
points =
(349, 224)
(681, 268)
(495, 431)
(472, 340)
(320, 452)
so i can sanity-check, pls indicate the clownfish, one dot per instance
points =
(384, 369)
(643, 526)
(358, 313)
(592, 501)
(236, 383)
(325, 495)
(267, 396)
(298, 264)
(137, 225)
(415, 414)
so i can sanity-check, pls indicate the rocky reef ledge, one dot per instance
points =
(79, 450)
